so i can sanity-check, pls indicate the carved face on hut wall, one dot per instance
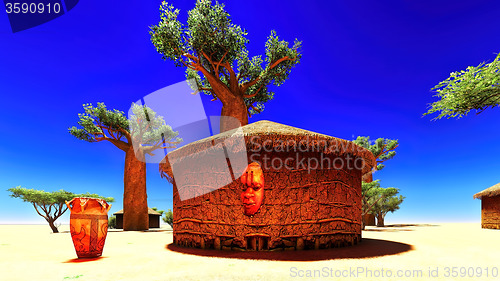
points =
(253, 188)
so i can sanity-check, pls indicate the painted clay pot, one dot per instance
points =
(88, 225)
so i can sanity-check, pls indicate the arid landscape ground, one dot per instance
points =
(454, 251)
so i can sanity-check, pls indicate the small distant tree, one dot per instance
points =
(382, 149)
(112, 221)
(144, 133)
(389, 202)
(368, 198)
(475, 88)
(169, 217)
(371, 195)
(50, 205)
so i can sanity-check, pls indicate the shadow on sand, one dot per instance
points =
(368, 248)
(395, 227)
(156, 230)
(407, 225)
(79, 260)
(386, 229)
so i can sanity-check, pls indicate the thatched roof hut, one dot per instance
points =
(303, 207)
(489, 192)
(490, 206)
(154, 218)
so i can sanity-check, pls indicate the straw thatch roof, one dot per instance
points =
(269, 134)
(489, 192)
(150, 212)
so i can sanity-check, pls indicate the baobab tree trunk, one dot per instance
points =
(380, 220)
(368, 177)
(233, 103)
(135, 203)
(233, 115)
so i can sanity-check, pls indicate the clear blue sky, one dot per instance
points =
(367, 69)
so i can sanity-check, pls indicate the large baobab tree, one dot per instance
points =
(142, 134)
(213, 51)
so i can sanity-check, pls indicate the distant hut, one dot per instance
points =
(154, 219)
(369, 220)
(490, 207)
(301, 208)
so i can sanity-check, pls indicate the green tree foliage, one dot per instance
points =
(372, 194)
(213, 50)
(369, 196)
(144, 133)
(159, 211)
(49, 205)
(112, 221)
(389, 202)
(169, 217)
(382, 149)
(475, 88)
(145, 128)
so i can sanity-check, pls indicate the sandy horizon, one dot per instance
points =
(421, 252)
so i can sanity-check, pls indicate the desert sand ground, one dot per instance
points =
(419, 252)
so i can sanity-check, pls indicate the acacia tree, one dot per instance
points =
(368, 198)
(211, 45)
(144, 133)
(372, 195)
(389, 202)
(382, 150)
(50, 205)
(169, 217)
(475, 88)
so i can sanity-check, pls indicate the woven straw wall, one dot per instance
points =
(302, 209)
(490, 212)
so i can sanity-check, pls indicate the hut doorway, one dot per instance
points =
(257, 243)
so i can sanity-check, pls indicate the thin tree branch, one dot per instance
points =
(483, 100)
(256, 109)
(255, 93)
(59, 214)
(34, 205)
(285, 58)
(211, 62)
(159, 145)
(50, 210)
(246, 85)
(382, 151)
(206, 89)
(220, 62)
(195, 59)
